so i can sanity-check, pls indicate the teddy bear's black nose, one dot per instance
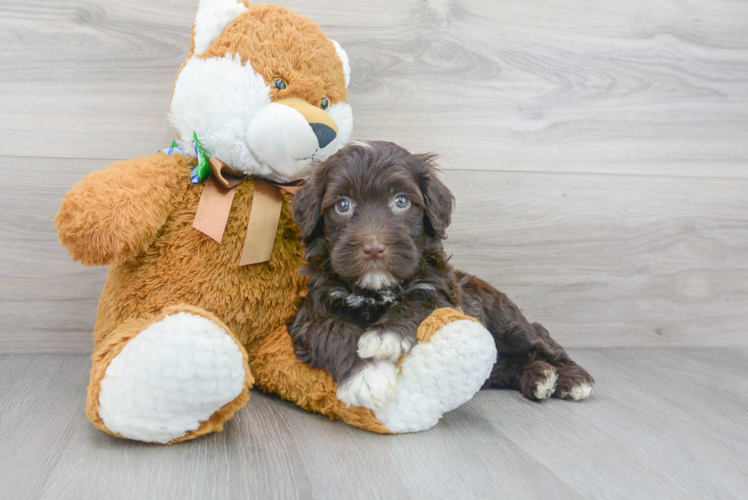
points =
(324, 134)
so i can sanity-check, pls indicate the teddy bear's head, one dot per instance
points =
(263, 89)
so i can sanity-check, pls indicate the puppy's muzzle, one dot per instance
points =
(373, 249)
(289, 134)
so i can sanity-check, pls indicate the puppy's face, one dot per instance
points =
(372, 211)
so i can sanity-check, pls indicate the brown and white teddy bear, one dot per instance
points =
(203, 252)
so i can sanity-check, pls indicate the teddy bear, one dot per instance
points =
(203, 252)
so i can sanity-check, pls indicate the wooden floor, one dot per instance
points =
(663, 423)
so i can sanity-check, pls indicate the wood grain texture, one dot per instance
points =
(605, 260)
(600, 260)
(663, 423)
(47, 302)
(598, 152)
(549, 86)
(667, 420)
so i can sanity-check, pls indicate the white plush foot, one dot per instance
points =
(438, 376)
(580, 392)
(546, 385)
(385, 346)
(370, 387)
(173, 375)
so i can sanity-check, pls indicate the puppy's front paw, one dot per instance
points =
(383, 345)
(371, 387)
(538, 381)
(574, 383)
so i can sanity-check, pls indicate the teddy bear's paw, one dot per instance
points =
(171, 377)
(439, 375)
(370, 387)
(383, 345)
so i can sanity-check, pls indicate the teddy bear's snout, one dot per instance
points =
(325, 134)
(289, 134)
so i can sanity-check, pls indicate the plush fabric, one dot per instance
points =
(186, 294)
(278, 371)
(98, 223)
(279, 43)
(222, 92)
(108, 350)
(449, 364)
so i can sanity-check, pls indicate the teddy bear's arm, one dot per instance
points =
(114, 213)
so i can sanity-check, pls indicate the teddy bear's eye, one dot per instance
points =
(280, 84)
(325, 103)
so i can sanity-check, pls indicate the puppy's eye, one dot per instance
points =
(325, 103)
(343, 205)
(280, 84)
(401, 201)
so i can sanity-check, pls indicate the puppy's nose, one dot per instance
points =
(373, 249)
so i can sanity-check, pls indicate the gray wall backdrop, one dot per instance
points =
(599, 156)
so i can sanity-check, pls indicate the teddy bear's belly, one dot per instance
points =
(185, 266)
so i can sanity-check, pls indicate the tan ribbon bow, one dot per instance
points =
(215, 204)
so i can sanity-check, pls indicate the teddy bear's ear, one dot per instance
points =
(211, 19)
(346, 64)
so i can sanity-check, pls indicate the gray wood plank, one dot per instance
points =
(663, 423)
(656, 427)
(47, 302)
(41, 409)
(601, 260)
(440, 464)
(610, 260)
(255, 456)
(617, 88)
(276, 450)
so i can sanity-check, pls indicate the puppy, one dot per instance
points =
(372, 218)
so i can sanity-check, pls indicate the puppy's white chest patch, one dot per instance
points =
(357, 301)
(386, 297)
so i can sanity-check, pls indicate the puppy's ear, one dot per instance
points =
(307, 204)
(438, 198)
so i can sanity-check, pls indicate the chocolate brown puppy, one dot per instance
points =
(372, 219)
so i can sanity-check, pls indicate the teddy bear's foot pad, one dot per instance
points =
(439, 375)
(171, 377)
